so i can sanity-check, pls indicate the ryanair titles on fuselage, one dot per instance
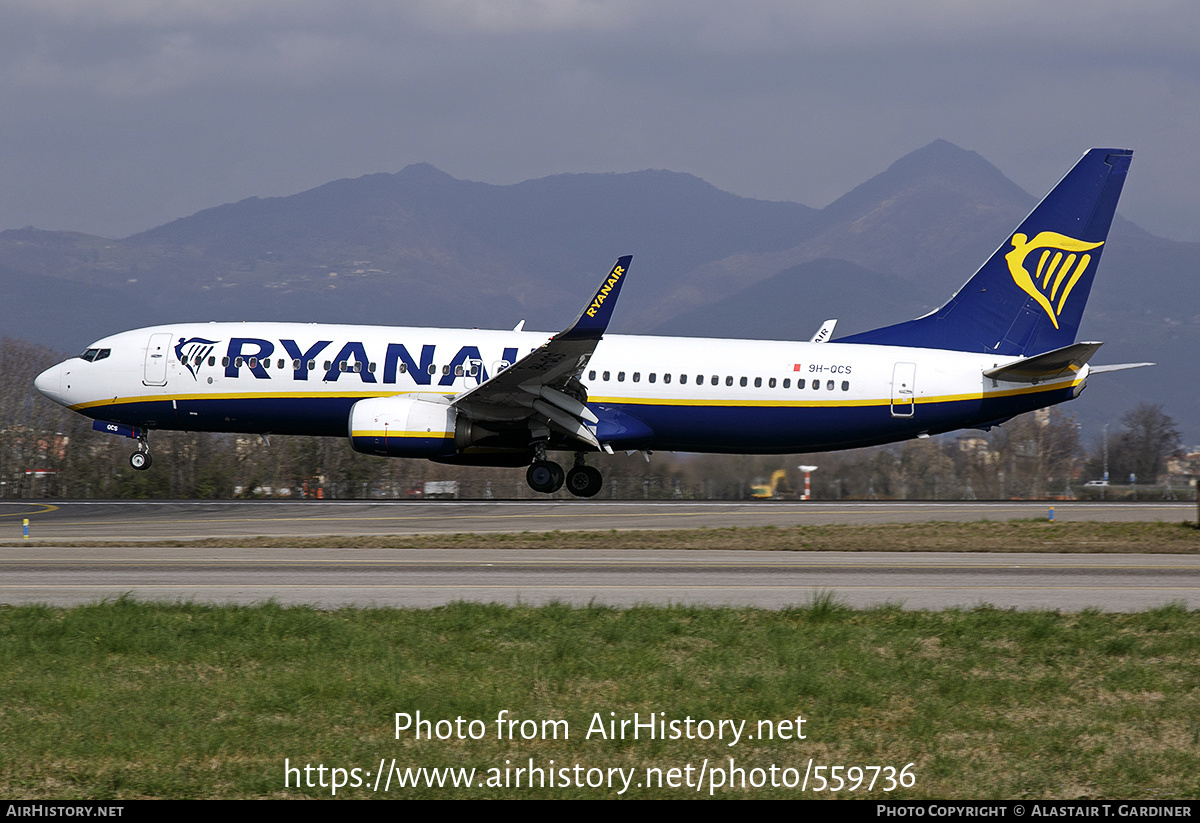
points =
(254, 353)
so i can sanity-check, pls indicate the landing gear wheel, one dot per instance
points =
(545, 476)
(140, 460)
(584, 481)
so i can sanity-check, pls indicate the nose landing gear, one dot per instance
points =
(141, 459)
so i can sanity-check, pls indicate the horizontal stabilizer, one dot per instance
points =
(1119, 367)
(1045, 367)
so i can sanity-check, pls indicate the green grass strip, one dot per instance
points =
(130, 700)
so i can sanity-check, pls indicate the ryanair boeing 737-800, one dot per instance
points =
(1004, 344)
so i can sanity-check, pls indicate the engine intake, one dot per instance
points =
(407, 427)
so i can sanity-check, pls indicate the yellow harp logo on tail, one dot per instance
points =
(1059, 268)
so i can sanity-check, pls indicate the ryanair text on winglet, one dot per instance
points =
(613, 277)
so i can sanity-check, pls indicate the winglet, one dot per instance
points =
(593, 320)
(825, 332)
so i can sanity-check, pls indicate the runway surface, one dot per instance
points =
(43, 571)
(137, 521)
(421, 577)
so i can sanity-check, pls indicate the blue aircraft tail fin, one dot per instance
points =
(1028, 298)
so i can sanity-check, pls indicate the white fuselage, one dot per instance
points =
(674, 393)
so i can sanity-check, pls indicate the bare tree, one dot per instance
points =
(1148, 437)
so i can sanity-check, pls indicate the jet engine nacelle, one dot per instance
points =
(408, 427)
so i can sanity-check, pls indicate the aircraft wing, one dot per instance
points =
(545, 383)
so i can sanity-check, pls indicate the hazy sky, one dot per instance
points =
(119, 116)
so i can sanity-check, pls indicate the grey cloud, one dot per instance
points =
(122, 116)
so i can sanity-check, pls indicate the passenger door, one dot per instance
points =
(156, 359)
(904, 380)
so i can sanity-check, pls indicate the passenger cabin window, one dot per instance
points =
(771, 383)
(637, 377)
(666, 377)
(787, 382)
(653, 377)
(591, 375)
(729, 380)
(743, 382)
(845, 385)
(296, 364)
(715, 380)
(758, 382)
(212, 361)
(683, 379)
(606, 375)
(620, 377)
(829, 385)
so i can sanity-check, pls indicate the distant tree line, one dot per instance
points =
(49, 451)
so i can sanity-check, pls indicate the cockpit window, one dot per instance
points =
(92, 355)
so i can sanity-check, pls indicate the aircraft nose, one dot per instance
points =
(49, 383)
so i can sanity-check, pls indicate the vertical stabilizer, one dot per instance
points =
(1029, 296)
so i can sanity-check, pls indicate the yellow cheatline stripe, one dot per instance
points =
(657, 401)
(45, 507)
(252, 395)
(920, 401)
(390, 433)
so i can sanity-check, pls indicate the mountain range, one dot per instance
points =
(419, 247)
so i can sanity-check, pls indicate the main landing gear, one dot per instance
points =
(141, 459)
(547, 477)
